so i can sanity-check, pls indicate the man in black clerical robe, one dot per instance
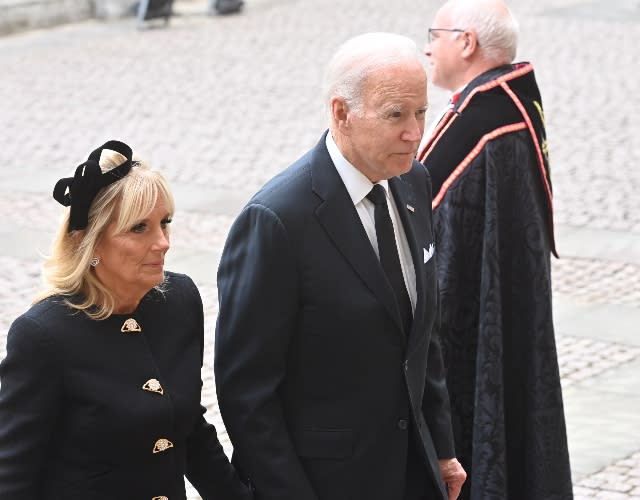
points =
(487, 157)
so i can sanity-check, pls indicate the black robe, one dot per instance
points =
(494, 236)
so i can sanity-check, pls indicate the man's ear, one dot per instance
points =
(340, 114)
(470, 43)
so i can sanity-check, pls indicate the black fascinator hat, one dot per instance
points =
(80, 190)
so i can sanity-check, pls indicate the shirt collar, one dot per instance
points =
(357, 184)
(456, 96)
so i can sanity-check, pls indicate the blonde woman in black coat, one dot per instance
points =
(100, 388)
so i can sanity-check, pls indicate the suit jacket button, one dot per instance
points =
(403, 424)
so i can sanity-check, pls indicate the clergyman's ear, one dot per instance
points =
(470, 43)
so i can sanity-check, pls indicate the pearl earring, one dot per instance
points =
(95, 261)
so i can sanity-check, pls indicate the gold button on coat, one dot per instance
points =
(162, 445)
(153, 385)
(131, 326)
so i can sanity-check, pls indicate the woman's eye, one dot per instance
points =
(165, 222)
(139, 228)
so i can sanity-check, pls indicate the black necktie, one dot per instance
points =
(388, 251)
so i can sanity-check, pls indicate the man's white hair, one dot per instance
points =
(358, 58)
(493, 23)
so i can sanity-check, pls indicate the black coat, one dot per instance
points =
(79, 419)
(318, 385)
(494, 237)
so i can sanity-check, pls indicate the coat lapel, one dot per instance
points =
(339, 218)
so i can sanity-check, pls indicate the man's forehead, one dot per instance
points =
(442, 17)
(396, 77)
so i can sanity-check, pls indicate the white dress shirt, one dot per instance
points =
(358, 186)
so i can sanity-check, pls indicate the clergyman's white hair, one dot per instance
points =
(494, 24)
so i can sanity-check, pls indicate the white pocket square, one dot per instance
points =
(429, 253)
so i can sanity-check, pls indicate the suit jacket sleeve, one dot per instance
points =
(30, 401)
(208, 468)
(436, 407)
(258, 296)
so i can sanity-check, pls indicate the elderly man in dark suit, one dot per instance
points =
(328, 365)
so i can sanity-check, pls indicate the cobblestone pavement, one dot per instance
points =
(220, 104)
(618, 481)
(595, 281)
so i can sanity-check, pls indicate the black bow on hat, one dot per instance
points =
(80, 190)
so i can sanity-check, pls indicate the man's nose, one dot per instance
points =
(413, 131)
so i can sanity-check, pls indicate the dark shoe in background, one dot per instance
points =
(228, 6)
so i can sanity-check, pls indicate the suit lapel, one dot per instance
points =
(339, 218)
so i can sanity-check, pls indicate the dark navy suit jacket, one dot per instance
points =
(318, 385)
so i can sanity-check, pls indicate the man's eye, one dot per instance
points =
(421, 113)
(395, 114)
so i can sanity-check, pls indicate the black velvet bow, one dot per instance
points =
(80, 190)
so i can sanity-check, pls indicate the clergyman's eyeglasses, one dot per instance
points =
(433, 30)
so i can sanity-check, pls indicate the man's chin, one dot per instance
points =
(405, 166)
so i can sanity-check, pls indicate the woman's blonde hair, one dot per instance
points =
(67, 271)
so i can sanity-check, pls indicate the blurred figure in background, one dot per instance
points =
(493, 218)
(223, 7)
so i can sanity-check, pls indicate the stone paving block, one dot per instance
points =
(592, 482)
(611, 495)
(580, 492)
